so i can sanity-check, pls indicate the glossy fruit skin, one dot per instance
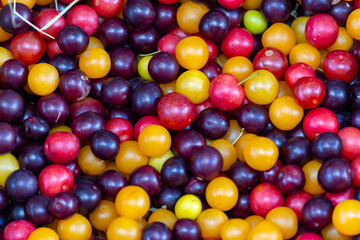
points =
(132, 201)
(265, 197)
(18, 230)
(309, 92)
(189, 15)
(14, 70)
(273, 60)
(123, 62)
(321, 30)
(261, 153)
(340, 64)
(176, 111)
(185, 142)
(20, 185)
(345, 218)
(352, 25)
(12, 110)
(337, 94)
(72, 40)
(225, 93)
(61, 147)
(123, 228)
(18, 26)
(290, 179)
(221, 188)
(186, 229)
(211, 221)
(188, 206)
(326, 146)
(55, 178)
(214, 25)
(83, 16)
(37, 210)
(28, 53)
(317, 212)
(237, 42)
(337, 171)
(44, 17)
(75, 226)
(206, 162)
(282, 9)
(63, 205)
(319, 120)
(205, 120)
(88, 195)
(348, 137)
(54, 109)
(156, 230)
(253, 118)
(192, 52)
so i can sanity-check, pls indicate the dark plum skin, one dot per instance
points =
(20, 185)
(326, 146)
(336, 175)
(7, 138)
(206, 162)
(11, 106)
(156, 230)
(337, 94)
(63, 62)
(63, 205)
(18, 26)
(163, 67)
(243, 176)
(214, 25)
(165, 18)
(37, 210)
(72, 40)
(54, 109)
(290, 179)
(88, 195)
(139, 13)
(13, 74)
(186, 141)
(175, 172)
(74, 85)
(242, 207)
(186, 229)
(116, 92)
(297, 151)
(105, 145)
(316, 6)
(147, 178)
(35, 128)
(144, 40)
(86, 125)
(145, 98)
(15, 211)
(123, 62)
(195, 186)
(254, 118)
(212, 123)
(340, 12)
(32, 157)
(278, 137)
(113, 32)
(110, 183)
(276, 10)
(317, 212)
(167, 197)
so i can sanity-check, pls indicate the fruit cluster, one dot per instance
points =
(179, 119)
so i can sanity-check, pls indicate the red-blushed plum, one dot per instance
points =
(61, 147)
(55, 178)
(319, 120)
(265, 197)
(176, 111)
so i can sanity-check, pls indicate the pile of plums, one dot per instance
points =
(179, 119)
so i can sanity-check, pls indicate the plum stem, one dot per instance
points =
(149, 54)
(256, 74)
(241, 133)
